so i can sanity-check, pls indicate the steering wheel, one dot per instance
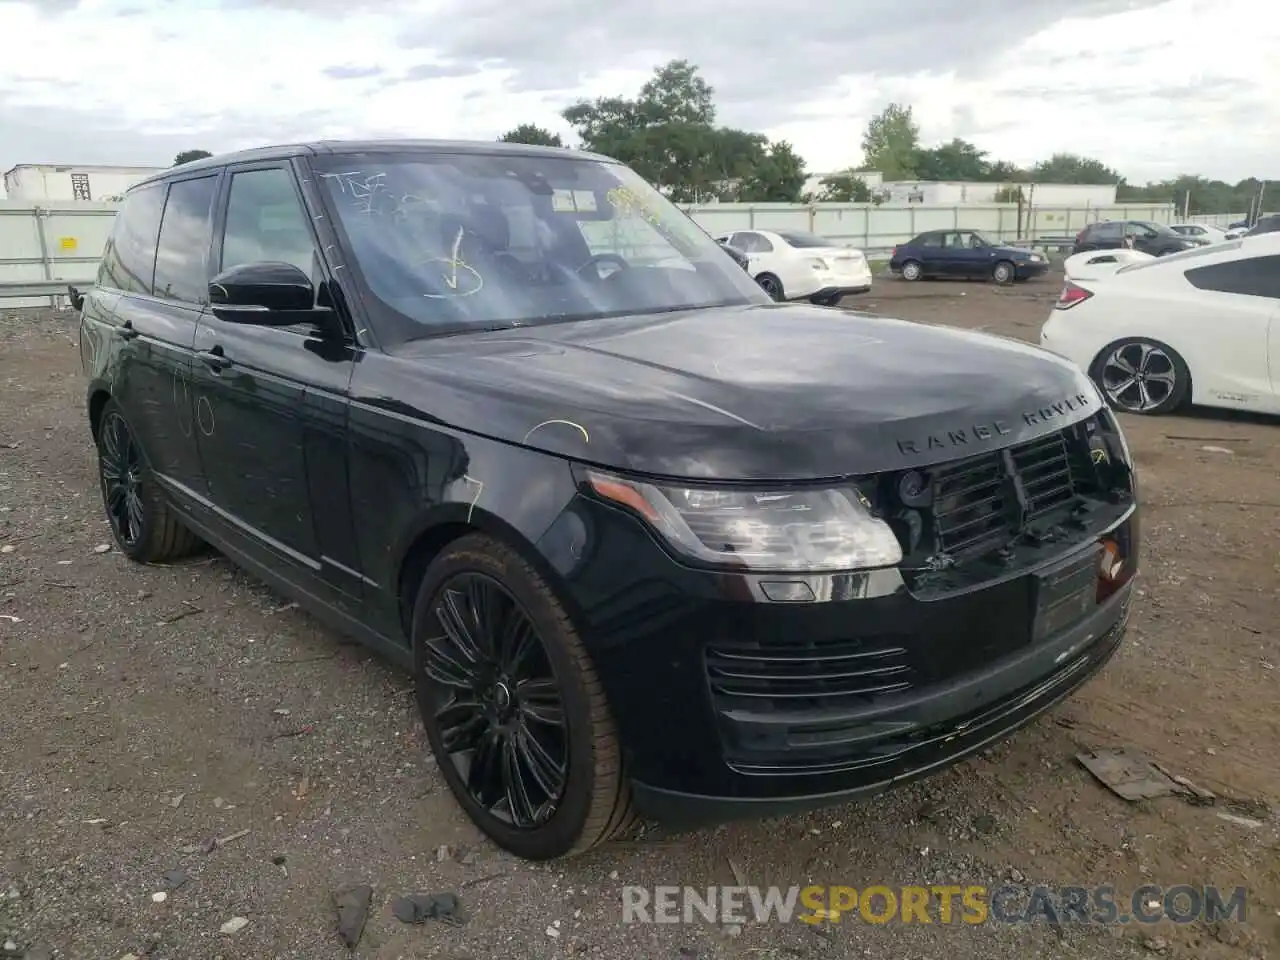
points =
(598, 258)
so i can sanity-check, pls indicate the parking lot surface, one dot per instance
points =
(181, 730)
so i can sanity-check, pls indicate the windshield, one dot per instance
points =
(981, 239)
(807, 240)
(466, 241)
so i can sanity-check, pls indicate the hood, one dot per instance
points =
(756, 392)
(1022, 252)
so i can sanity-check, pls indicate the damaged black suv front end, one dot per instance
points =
(753, 693)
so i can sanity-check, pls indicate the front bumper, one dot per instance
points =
(710, 730)
(1029, 270)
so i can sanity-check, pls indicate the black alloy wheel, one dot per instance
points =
(143, 524)
(515, 714)
(120, 468)
(498, 709)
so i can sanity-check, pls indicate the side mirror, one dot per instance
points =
(269, 293)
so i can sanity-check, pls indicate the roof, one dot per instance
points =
(320, 147)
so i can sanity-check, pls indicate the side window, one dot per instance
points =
(183, 250)
(266, 221)
(1107, 231)
(931, 240)
(1253, 277)
(129, 261)
(754, 243)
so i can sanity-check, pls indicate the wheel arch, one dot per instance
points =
(98, 396)
(449, 523)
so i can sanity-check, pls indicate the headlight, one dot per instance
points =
(779, 530)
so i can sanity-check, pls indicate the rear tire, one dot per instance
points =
(912, 270)
(143, 525)
(831, 301)
(1142, 376)
(771, 285)
(558, 731)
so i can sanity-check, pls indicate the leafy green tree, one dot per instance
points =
(1070, 168)
(891, 143)
(957, 160)
(532, 134)
(187, 156)
(669, 135)
(844, 187)
(1010, 193)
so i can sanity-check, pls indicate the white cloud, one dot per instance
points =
(1186, 86)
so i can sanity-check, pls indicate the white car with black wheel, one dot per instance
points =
(794, 265)
(1200, 232)
(1201, 326)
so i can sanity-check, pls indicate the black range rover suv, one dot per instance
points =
(649, 542)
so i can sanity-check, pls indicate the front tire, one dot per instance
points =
(911, 270)
(143, 524)
(514, 711)
(1003, 272)
(1142, 376)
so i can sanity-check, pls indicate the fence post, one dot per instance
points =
(751, 217)
(45, 264)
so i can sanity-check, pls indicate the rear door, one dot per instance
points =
(930, 250)
(1104, 236)
(153, 321)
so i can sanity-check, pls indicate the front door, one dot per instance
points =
(270, 399)
(968, 255)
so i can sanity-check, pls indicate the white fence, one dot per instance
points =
(62, 241)
(1223, 220)
(58, 242)
(878, 229)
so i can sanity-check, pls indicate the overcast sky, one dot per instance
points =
(1151, 87)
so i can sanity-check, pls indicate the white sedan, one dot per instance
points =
(793, 265)
(1200, 326)
(1201, 232)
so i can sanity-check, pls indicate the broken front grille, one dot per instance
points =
(982, 500)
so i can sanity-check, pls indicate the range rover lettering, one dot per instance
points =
(650, 543)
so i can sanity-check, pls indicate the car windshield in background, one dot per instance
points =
(463, 241)
(807, 240)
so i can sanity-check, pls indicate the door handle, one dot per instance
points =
(126, 330)
(214, 359)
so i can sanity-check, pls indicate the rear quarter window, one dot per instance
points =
(129, 260)
(1250, 277)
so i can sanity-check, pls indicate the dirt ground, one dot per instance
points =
(186, 719)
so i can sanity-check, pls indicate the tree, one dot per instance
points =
(845, 187)
(187, 156)
(776, 176)
(1009, 193)
(957, 160)
(532, 134)
(1070, 168)
(669, 135)
(891, 142)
